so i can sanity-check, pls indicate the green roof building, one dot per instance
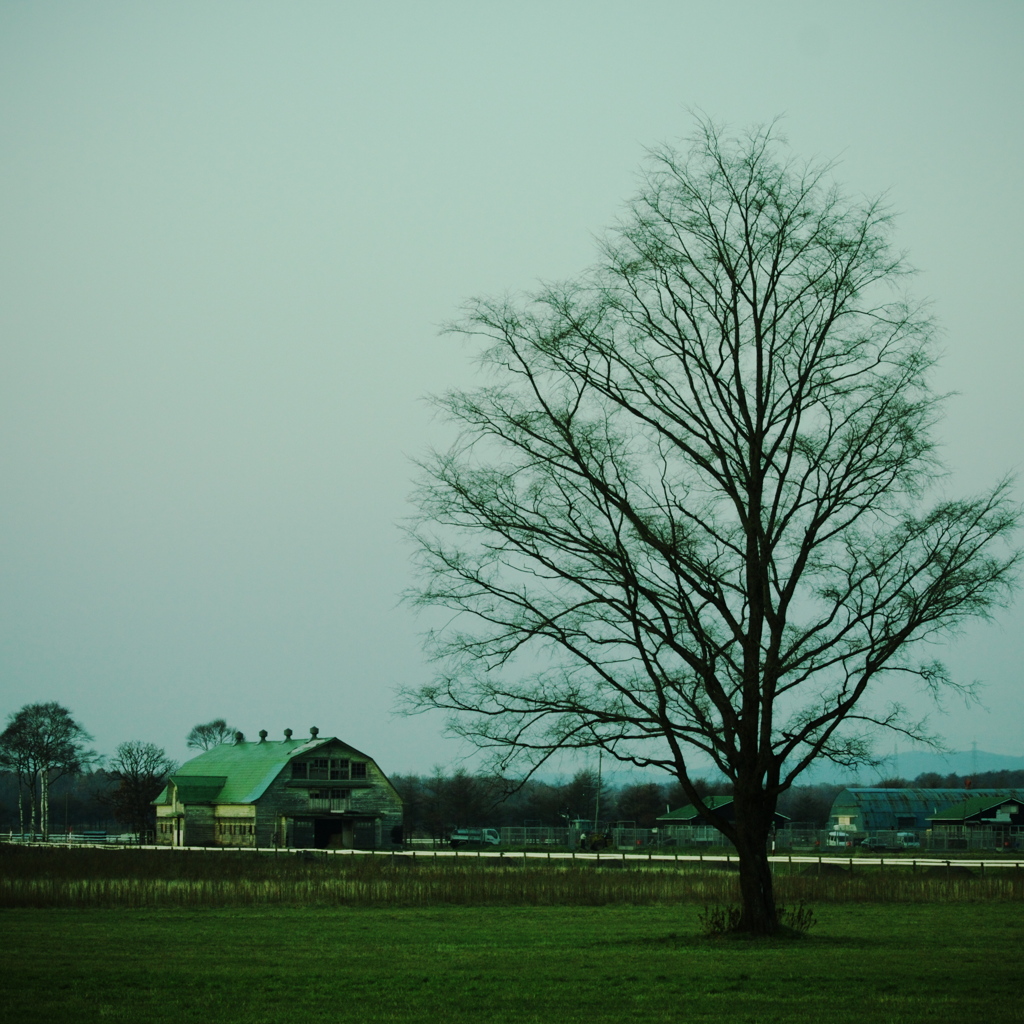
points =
(879, 808)
(307, 793)
(722, 806)
(1005, 812)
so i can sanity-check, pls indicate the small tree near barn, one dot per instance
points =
(691, 510)
(140, 770)
(209, 735)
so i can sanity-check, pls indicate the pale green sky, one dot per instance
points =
(229, 230)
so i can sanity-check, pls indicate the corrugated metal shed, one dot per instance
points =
(880, 808)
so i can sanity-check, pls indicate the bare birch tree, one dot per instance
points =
(692, 513)
(41, 744)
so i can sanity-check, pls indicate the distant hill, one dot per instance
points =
(909, 764)
(906, 764)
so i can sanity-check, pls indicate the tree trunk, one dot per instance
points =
(759, 915)
(754, 819)
(33, 805)
(44, 804)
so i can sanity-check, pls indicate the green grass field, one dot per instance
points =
(869, 964)
(108, 935)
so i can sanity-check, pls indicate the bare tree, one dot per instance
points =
(41, 744)
(212, 734)
(691, 513)
(141, 770)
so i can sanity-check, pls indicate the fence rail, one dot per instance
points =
(513, 856)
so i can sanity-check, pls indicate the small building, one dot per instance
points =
(307, 793)
(880, 809)
(693, 817)
(1003, 815)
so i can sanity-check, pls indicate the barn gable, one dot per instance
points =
(315, 792)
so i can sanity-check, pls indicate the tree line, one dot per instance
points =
(48, 774)
(438, 803)
(43, 745)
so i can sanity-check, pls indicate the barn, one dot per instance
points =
(720, 806)
(1002, 815)
(309, 793)
(879, 809)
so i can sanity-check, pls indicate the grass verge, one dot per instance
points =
(41, 878)
(891, 964)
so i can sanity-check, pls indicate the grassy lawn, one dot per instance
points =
(890, 964)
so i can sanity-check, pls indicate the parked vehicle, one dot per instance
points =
(891, 842)
(475, 837)
(842, 839)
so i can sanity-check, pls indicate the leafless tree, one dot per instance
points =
(693, 512)
(41, 744)
(141, 770)
(211, 734)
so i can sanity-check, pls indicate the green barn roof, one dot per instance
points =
(239, 773)
(976, 805)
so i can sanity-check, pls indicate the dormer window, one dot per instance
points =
(335, 769)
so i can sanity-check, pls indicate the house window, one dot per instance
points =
(227, 827)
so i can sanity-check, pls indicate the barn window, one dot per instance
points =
(318, 768)
(339, 769)
(358, 769)
(299, 770)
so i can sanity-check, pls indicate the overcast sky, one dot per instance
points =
(230, 230)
